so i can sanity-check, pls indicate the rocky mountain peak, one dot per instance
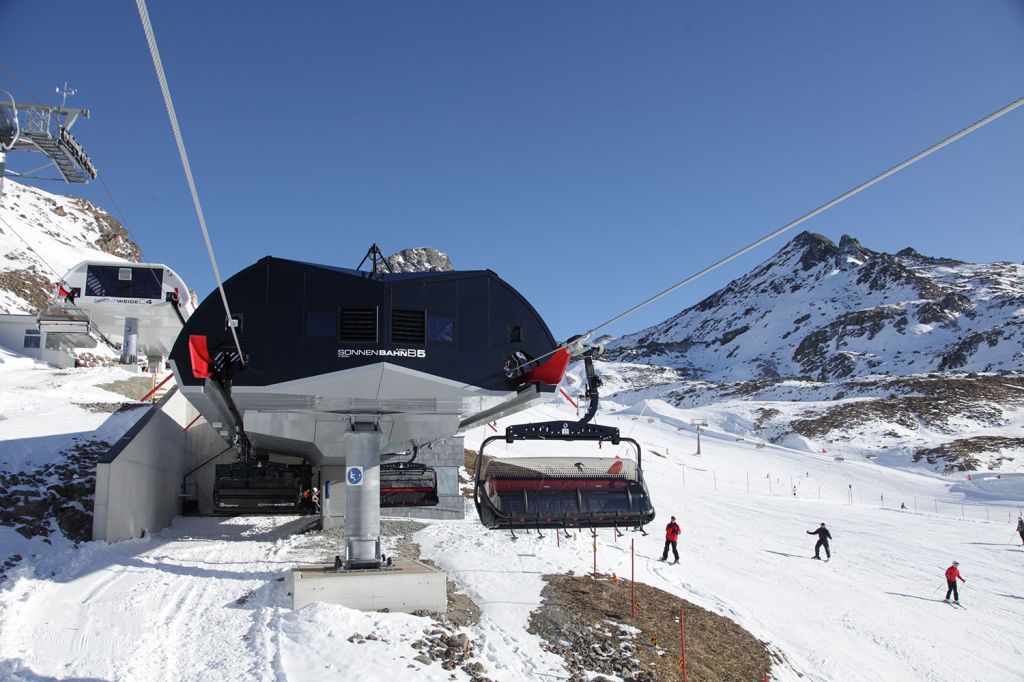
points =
(851, 252)
(814, 248)
(420, 259)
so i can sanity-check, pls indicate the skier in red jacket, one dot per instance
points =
(672, 532)
(952, 574)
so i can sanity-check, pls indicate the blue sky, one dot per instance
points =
(590, 153)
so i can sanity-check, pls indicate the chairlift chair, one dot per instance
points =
(407, 484)
(534, 493)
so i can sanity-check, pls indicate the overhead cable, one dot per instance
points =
(169, 103)
(60, 277)
(821, 209)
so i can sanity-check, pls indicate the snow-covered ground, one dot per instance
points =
(205, 598)
(42, 409)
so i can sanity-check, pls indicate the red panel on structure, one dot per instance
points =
(553, 484)
(552, 371)
(201, 361)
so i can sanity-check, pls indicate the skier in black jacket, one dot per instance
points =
(1020, 528)
(823, 537)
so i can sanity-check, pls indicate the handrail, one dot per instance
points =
(156, 388)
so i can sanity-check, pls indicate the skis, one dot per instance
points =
(954, 604)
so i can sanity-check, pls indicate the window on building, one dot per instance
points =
(440, 329)
(31, 338)
(131, 282)
(515, 333)
(322, 324)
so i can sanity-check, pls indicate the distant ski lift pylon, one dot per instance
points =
(534, 493)
(46, 129)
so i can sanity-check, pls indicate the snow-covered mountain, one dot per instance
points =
(830, 312)
(899, 357)
(44, 235)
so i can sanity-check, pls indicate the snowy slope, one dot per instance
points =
(43, 235)
(904, 357)
(949, 421)
(829, 312)
(205, 600)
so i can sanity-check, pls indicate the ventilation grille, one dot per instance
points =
(359, 325)
(408, 326)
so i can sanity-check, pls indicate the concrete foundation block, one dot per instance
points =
(407, 586)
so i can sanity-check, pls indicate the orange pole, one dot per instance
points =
(157, 388)
(682, 643)
(198, 417)
(632, 576)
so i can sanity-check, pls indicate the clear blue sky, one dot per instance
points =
(590, 153)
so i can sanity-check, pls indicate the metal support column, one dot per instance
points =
(362, 496)
(130, 344)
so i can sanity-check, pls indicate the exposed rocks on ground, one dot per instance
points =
(588, 622)
(132, 388)
(30, 285)
(765, 414)
(938, 402)
(959, 454)
(55, 494)
(114, 238)
(452, 649)
(88, 359)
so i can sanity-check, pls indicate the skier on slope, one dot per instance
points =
(672, 532)
(952, 573)
(823, 537)
(1020, 528)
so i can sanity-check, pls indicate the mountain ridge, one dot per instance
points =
(837, 311)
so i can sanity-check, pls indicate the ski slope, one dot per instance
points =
(205, 599)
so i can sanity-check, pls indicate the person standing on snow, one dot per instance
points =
(1020, 528)
(952, 573)
(823, 537)
(672, 532)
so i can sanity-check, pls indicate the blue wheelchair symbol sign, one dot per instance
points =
(354, 475)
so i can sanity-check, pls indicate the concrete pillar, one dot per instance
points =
(130, 344)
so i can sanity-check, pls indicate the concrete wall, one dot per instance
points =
(204, 448)
(139, 480)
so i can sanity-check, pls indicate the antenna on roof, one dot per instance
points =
(378, 263)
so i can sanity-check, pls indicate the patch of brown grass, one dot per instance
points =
(574, 623)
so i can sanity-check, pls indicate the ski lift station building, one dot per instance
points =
(335, 393)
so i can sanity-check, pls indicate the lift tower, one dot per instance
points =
(46, 130)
